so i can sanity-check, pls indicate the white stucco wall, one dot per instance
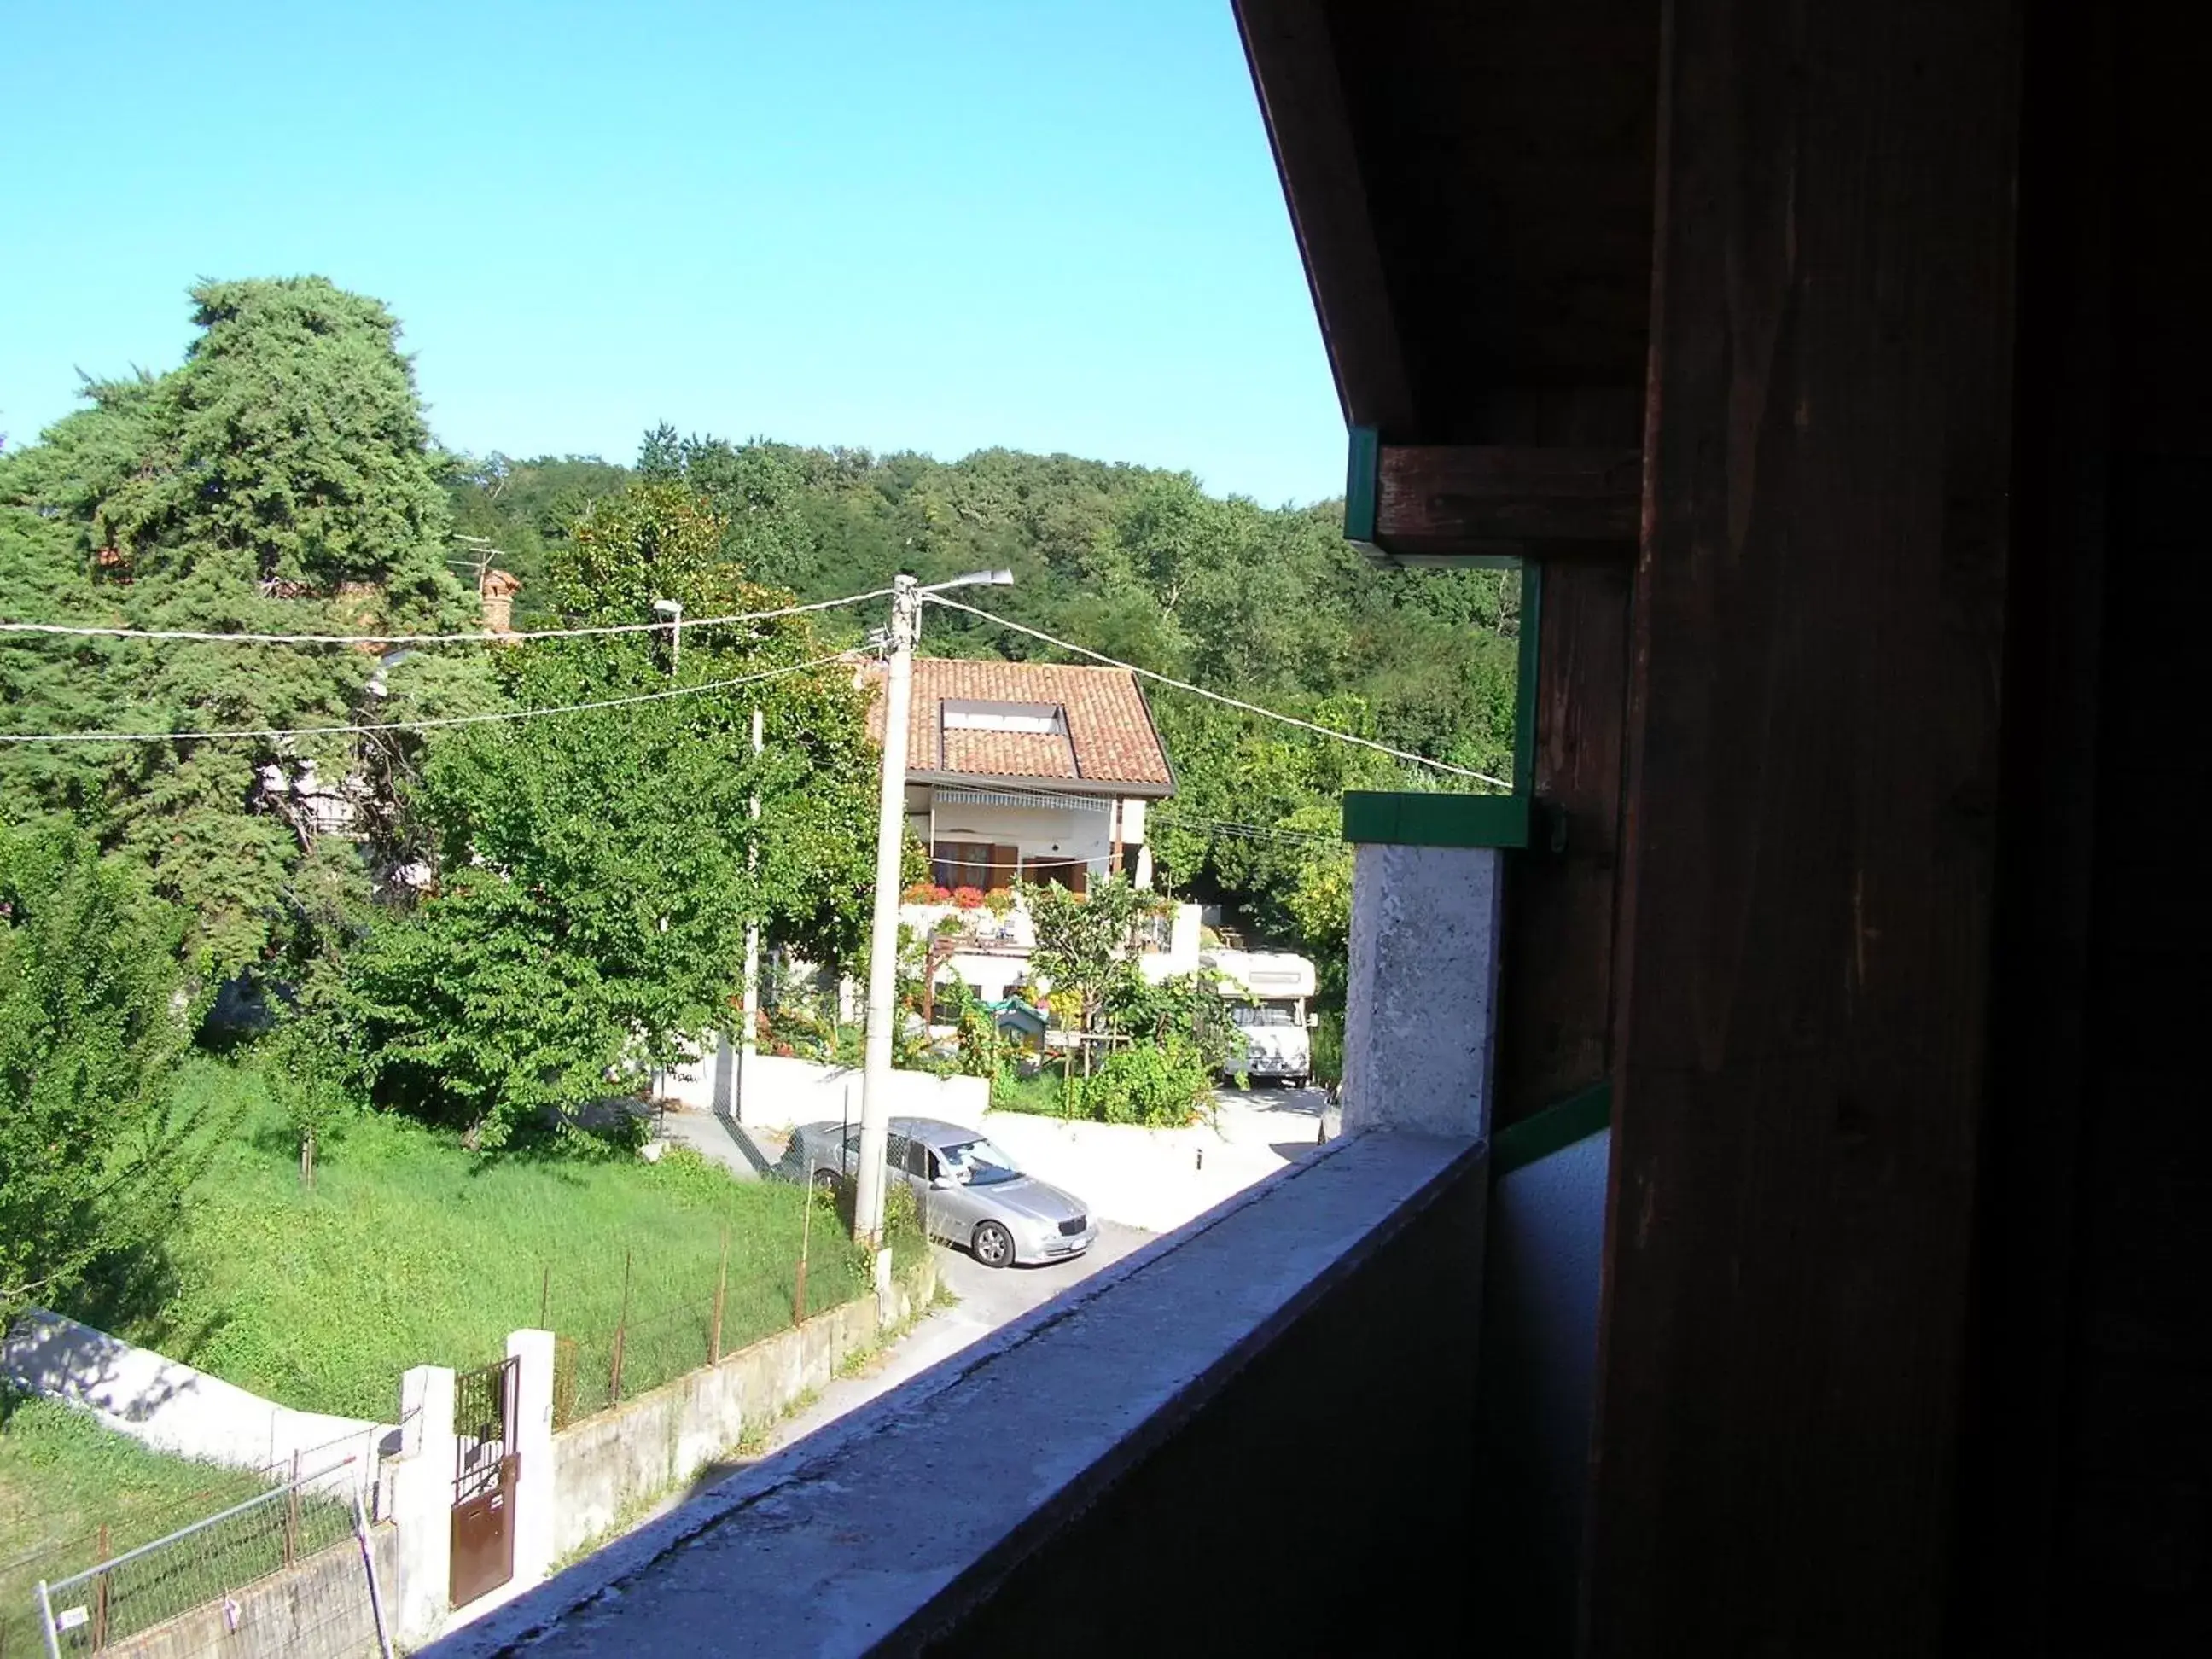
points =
(779, 1092)
(1039, 831)
(169, 1406)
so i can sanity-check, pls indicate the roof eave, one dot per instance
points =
(1126, 789)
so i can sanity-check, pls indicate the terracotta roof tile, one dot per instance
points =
(1110, 736)
(1007, 755)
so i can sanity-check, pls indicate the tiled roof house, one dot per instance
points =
(1038, 771)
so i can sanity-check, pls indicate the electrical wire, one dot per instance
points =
(1250, 831)
(1218, 696)
(1155, 815)
(428, 723)
(511, 637)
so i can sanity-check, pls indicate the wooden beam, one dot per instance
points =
(1293, 62)
(1812, 770)
(1555, 985)
(1439, 501)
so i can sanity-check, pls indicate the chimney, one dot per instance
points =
(496, 592)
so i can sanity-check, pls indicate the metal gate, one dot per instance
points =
(484, 1463)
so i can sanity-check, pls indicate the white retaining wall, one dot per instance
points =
(779, 1092)
(169, 1406)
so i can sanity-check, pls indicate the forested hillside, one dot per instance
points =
(1272, 605)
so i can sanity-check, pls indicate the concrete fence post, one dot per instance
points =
(423, 1504)
(532, 1430)
(885, 1290)
(1421, 1010)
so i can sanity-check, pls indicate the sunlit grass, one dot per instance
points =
(410, 1249)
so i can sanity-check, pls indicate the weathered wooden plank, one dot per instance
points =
(1442, 499)
(1812, 779)
(1556, 984)
(1294, 71)
(2017, 1587)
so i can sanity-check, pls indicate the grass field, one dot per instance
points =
(411, 1251)
(62, 1477)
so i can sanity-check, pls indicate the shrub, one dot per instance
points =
(978, 1038)
(1160, 1086)
(968, 898)
(926, 893)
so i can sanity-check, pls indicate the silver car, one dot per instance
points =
(970, 1194)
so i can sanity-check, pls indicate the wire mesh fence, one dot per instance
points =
(616, 1337)
(333, 1471)
(287, 1570)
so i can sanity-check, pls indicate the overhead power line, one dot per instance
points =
(426, 724)
(1407, 756)
(484, 637)
(1250, 831)
(1157, 814)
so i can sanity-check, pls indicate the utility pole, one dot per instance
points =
(749, 1033)
(883, 935)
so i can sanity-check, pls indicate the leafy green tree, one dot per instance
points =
(1145, 565)
(94, 1153)
(1085, 943)
(280, 481)
(1186, 1007)
(592, 883)
(509, 514)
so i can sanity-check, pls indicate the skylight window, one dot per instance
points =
(971, 714)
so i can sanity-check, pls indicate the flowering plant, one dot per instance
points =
(926, 893)
(968, 898)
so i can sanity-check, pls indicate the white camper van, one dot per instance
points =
(1266, 992)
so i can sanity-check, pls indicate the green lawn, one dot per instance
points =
(62, 1477)
(411, 1251)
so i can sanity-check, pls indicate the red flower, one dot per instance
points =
(968, 898)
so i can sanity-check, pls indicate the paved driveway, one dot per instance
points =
(1159, 1179)
(1138, 1182)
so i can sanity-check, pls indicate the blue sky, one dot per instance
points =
(935, 225)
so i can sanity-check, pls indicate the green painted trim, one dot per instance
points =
(1413, 819)
(1525, 680)
(1361, 484)
(1555, 1129)
(1453, 561)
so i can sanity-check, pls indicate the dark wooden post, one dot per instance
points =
(100, 1595)
(721, 1291)
(1805, 911)
(799, 1280)
(292, 1516)
(622, 1335)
